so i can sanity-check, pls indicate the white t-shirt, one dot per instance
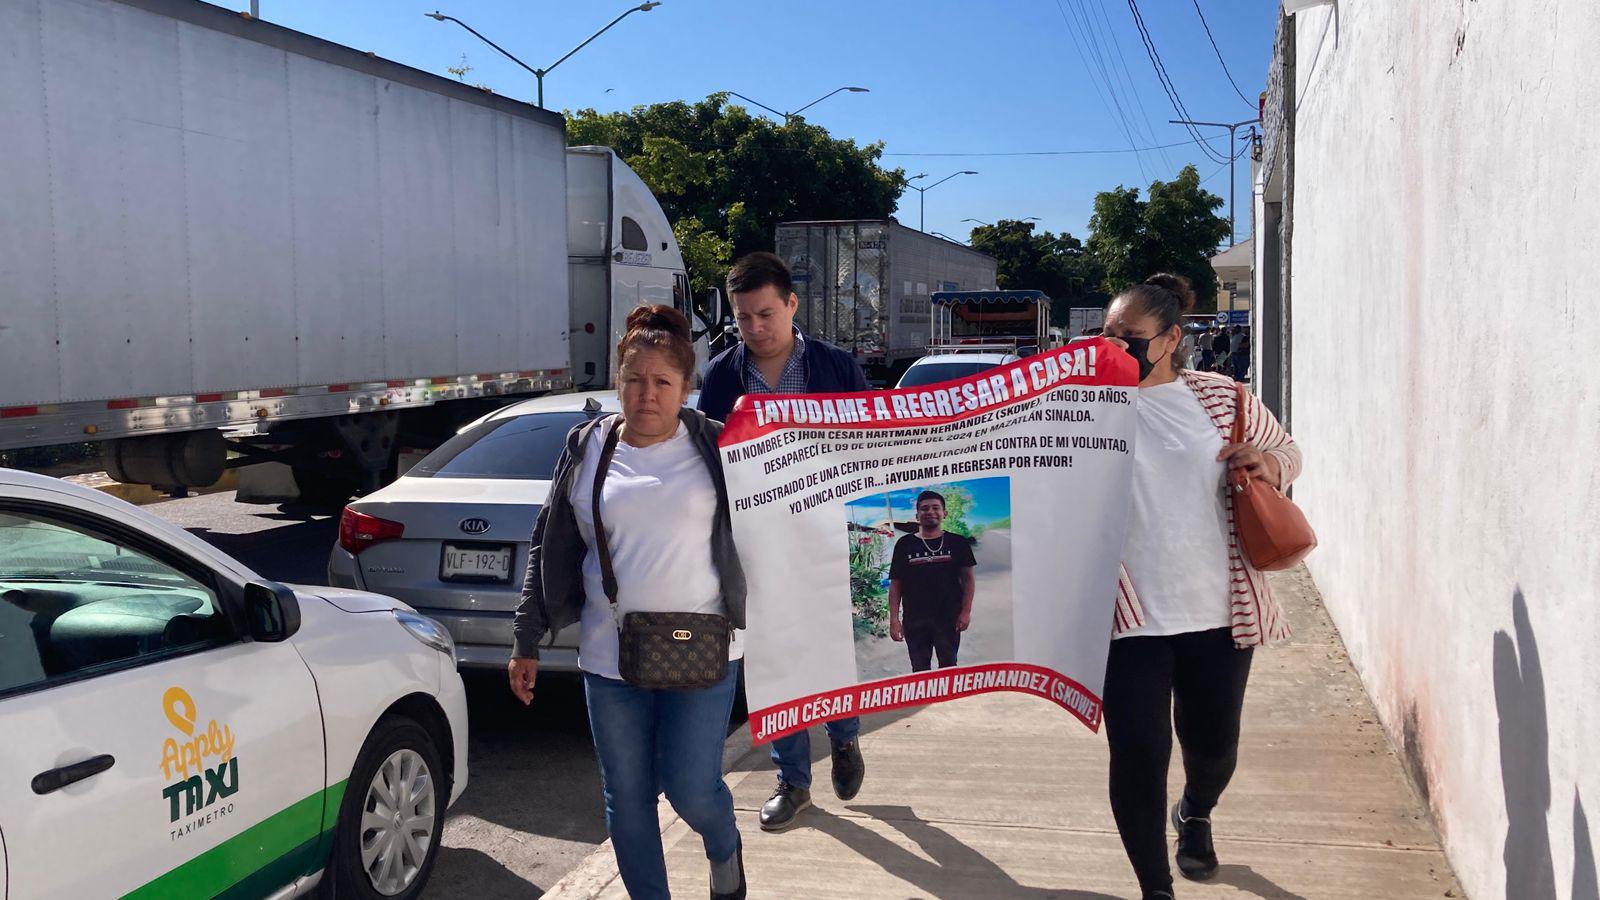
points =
(659, 505)
(1177, 550)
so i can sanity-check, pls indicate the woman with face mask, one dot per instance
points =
(1190, 608)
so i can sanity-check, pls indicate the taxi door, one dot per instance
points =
(149, 749)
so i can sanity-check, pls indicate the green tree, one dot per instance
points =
(726, 178)
(706, 254)
(1176, 229)
(1055, 264)
(869, 562)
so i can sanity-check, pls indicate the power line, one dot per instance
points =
(1114, 105)
(1055, 152)
(1218, 50)
(1171, 90)
(1220, 169)
(1167, 85)
(1127, 80)
(1110, 89)
(1097, 42)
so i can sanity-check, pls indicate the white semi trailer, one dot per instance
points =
(220, 234)
(865, 285)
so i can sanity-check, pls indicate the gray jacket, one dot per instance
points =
(552, 591)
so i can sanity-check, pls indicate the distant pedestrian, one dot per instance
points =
(663, 544)
(1208, 355)
(1182, 642)
(775, 358)
(1241, 355)
(1220, 346)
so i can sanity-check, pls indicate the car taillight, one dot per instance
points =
(358, 531)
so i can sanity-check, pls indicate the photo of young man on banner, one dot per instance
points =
(915, 545)
(933, 586)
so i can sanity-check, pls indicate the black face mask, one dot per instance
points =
(1139, 349)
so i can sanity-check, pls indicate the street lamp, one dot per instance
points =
(1232, 158)
(792, 115)
(540, 73)
(922, 194)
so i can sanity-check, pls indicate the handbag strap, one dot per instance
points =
(608, 576)
(1238, 413)
(1238, 478)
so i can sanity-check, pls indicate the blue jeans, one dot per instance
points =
(650, 742)
(792, 753)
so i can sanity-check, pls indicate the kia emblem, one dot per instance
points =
(474, 526)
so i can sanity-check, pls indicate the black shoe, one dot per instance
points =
(1197, 858)
(1159, 895)
(780, 810)
(848, 770)
(740, 893)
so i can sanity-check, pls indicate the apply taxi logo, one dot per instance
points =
(188, 758)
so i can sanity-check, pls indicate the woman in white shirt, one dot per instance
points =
(665, 518)
(1190, 608)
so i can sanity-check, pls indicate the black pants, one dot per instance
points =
(1195, 681)
(924, 642)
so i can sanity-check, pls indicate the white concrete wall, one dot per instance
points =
(1446, 390)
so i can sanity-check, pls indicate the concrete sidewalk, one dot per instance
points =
(1004, 796)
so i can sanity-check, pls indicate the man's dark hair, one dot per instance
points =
(932, 495)
(755, 271)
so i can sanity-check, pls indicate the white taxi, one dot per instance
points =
(176, 726)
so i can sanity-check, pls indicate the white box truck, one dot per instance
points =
(1080, 318)
(865, 285)
(220, 234)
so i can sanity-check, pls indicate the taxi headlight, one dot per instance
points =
(427, 631)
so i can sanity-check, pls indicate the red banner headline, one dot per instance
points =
(1093, 362)
(923, 688)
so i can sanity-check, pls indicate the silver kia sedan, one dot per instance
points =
(450, 536)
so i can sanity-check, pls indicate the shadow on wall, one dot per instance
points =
(1525, 771)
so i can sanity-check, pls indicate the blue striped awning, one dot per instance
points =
(952, 298)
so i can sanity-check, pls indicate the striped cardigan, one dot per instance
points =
(1257, 618)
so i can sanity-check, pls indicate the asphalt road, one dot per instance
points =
(532, 810)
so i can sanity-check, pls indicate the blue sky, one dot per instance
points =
(946, 76)
(991, 500)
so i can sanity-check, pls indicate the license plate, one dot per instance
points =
(476, 562)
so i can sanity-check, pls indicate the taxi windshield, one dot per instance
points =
(35, 551)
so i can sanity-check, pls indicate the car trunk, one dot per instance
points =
(487, 521)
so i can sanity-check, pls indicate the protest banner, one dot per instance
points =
(990, 511)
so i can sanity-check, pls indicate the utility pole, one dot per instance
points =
(1232, 158)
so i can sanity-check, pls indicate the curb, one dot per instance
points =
(143, 494)
(597, 877)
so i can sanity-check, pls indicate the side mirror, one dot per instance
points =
(714, 307)
(711, 314)
(272, 611)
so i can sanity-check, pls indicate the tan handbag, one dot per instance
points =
(1273, 532)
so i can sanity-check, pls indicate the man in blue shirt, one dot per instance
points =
(775, 358)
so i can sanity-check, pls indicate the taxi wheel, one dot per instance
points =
(392, 816)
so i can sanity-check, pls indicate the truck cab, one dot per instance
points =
(621, 253)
